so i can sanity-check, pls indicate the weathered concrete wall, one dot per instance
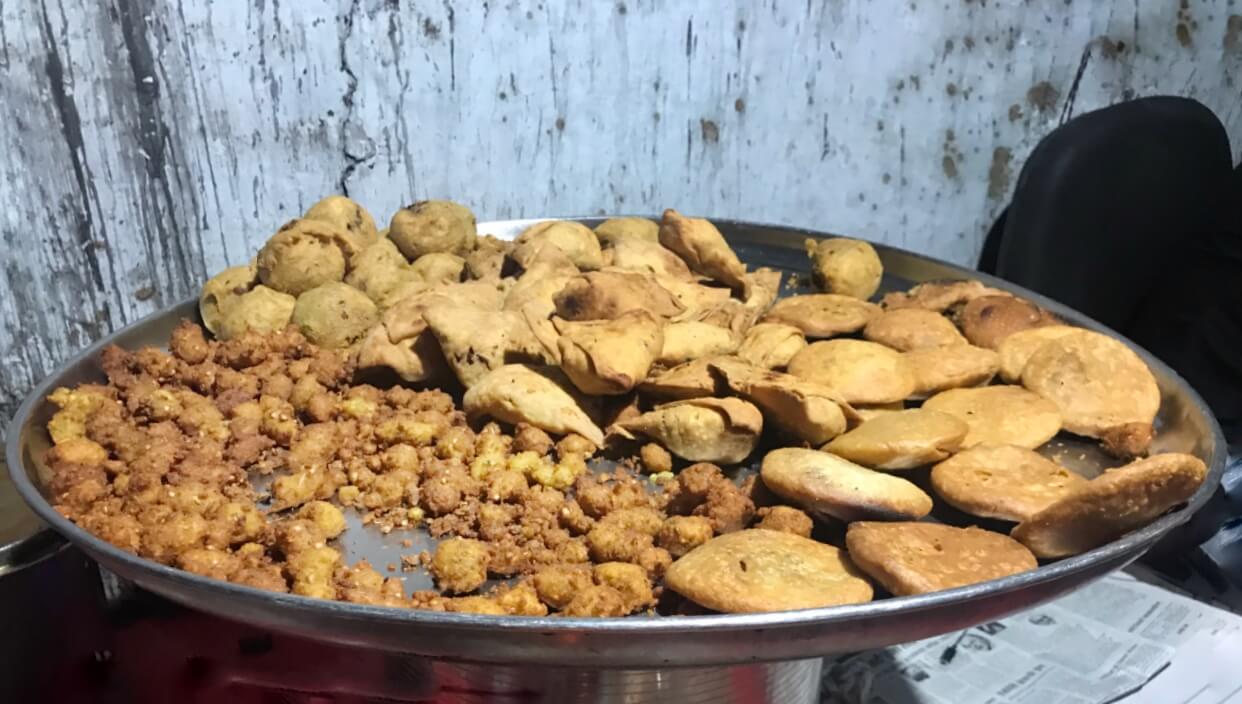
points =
(149, 143)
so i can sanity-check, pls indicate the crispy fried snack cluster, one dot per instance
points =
(650, 343)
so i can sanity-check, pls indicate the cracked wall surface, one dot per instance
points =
(150, 143)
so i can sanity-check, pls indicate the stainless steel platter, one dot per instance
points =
(1184, 424)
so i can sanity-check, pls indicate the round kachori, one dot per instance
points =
(1000, 415)
(756, 570)
(902, 439)
(1007, 482)
(860, 371)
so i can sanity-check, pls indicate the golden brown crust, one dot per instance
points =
(221, 291)
(460, 565)
(613, 230)
(808, 411)
(845, 266)
(517, 393)
(786, 519)
(939, 296)
(259, 310)
(691, 379)
(1016, 350)
(724, 430)
(906, 329)
(918, 558)
(821, 315)
(681, 534)
(304, 254)
(438, 268)
(1000, 415)
(1111, 505)
(987, 320)
(476, 342)
(609, 357)
(574, 239)
(648, 257)
(688, 340)
(1002, 481)
(703, 248)
(433, 226)
(1101, 387)
(771, 345)
(605, 295)
(861, 372)
(347, 215)
(829, 485)
(942, 368)
(334, 315)
(902, 440)
(762, 570)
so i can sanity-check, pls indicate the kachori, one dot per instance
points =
(1006, 482)
(916, 558)
(902, 439)
(1000, 415)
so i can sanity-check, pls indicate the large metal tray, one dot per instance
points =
(1185, 424)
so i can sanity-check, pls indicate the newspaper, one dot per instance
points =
(1117, 640)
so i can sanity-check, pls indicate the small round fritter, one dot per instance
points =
(460, 565)
(439, 268)
(848, 267)
(765, 570)
(260, 309)
(820, 315)
(908, 329)
(347, 215)
(334, 315)
(1002, 481)
(1101, 387)
(918, 558)
(1016, 350)
(628, 579)
(988, 320)
(939, 368)
(597, 601)
(828, 485)
(1000, 415)
(681, 534)
(433, 226)
(656, 460)
(771, 345)
(301, 256)
(861, 372)
(574, 239)
(785, 519)
(1111, 505)
(901, 440)
(381, 272)
(558, 584)
(380, 255)
(222, 291)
